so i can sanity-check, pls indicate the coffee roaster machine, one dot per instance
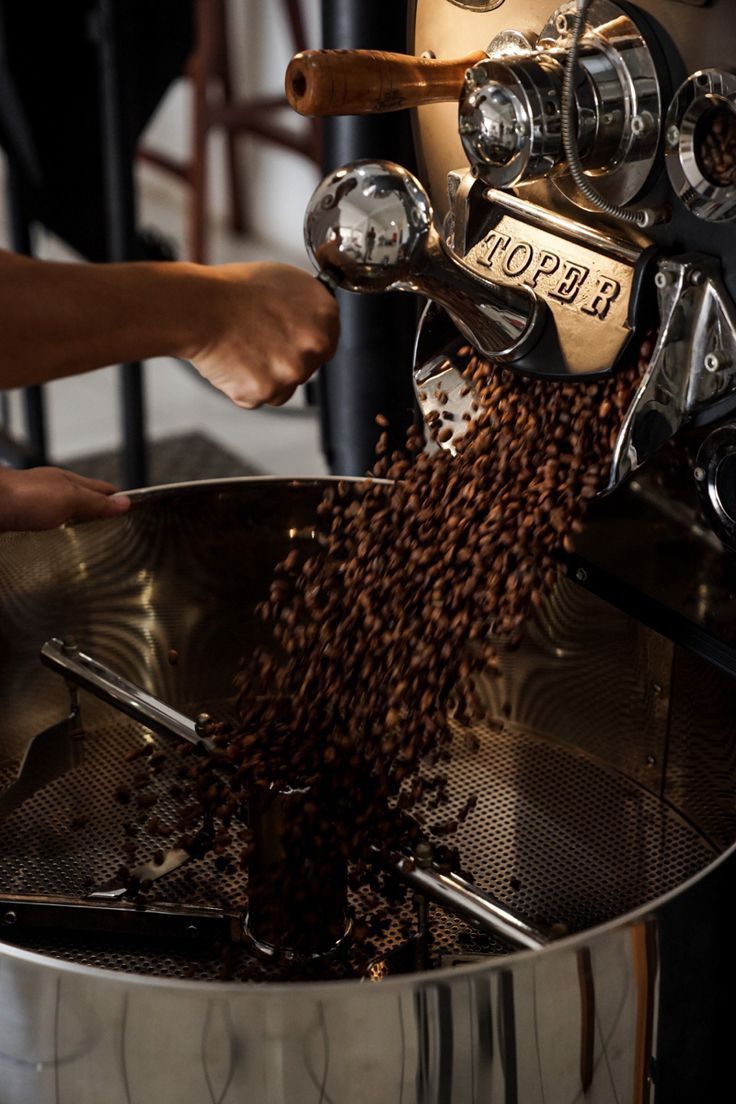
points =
(607, 804)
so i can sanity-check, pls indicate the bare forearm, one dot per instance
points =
(254, 331)
(61, 319)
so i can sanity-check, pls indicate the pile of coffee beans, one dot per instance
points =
(716, 146)
(377, 639)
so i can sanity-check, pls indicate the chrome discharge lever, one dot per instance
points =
(370, 227)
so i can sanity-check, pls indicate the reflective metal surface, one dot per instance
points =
(681, 38)
(84, 671)
(370, 226)
(692, 373)
(623, 98)
(695, 100)
(591, 282)
(596, 1013)
(511, 107)
(267, 814)
(715, 474)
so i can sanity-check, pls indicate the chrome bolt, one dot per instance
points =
(429, 55)
(673, 135)
(10, 918)
(607, 119)
(521, 129)
(662, 279)
(423, 855)
(472, 78)
(638, 125)
(581, 575)
(699, 474)
(696, 277)
(716, 360)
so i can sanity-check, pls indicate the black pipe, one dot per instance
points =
(20, 239)
(110, 30)
(371, 372)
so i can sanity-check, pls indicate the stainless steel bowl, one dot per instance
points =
(607, 803)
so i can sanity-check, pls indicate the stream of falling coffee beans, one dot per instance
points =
(345, 716)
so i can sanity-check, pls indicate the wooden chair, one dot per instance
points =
(257, 116)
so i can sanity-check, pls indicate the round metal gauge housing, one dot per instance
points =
(701, 121)
(715, 474)
(628, 110)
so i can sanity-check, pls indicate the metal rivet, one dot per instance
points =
(716, 360)
(429, 55)
(673, 135)
(699, 474)
(662, 279)
(696, 278)
(192, 930)
(638, 125)
(581, 575)
(657, 689)
(423, 855)
(10, 918)
(650, 760)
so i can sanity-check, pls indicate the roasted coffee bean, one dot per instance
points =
(377, 638)
(136, 753)
(146, 800)
(716, 145)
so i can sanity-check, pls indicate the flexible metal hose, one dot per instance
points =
(642, 217)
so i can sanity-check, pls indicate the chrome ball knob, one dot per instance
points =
(367, 225)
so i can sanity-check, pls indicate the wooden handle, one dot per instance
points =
(366, 82)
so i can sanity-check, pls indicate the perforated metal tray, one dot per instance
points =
(556, 834)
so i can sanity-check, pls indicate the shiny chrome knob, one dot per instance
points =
(367, 224)
(370, 227)
(493, 124)
(510, 119)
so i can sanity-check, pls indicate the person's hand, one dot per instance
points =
(268, 327)
(43, 498)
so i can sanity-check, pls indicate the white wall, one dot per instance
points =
(277, 184)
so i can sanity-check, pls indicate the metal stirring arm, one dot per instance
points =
(476, 907)
(54, 914)
(451, 891)
(91, 675)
